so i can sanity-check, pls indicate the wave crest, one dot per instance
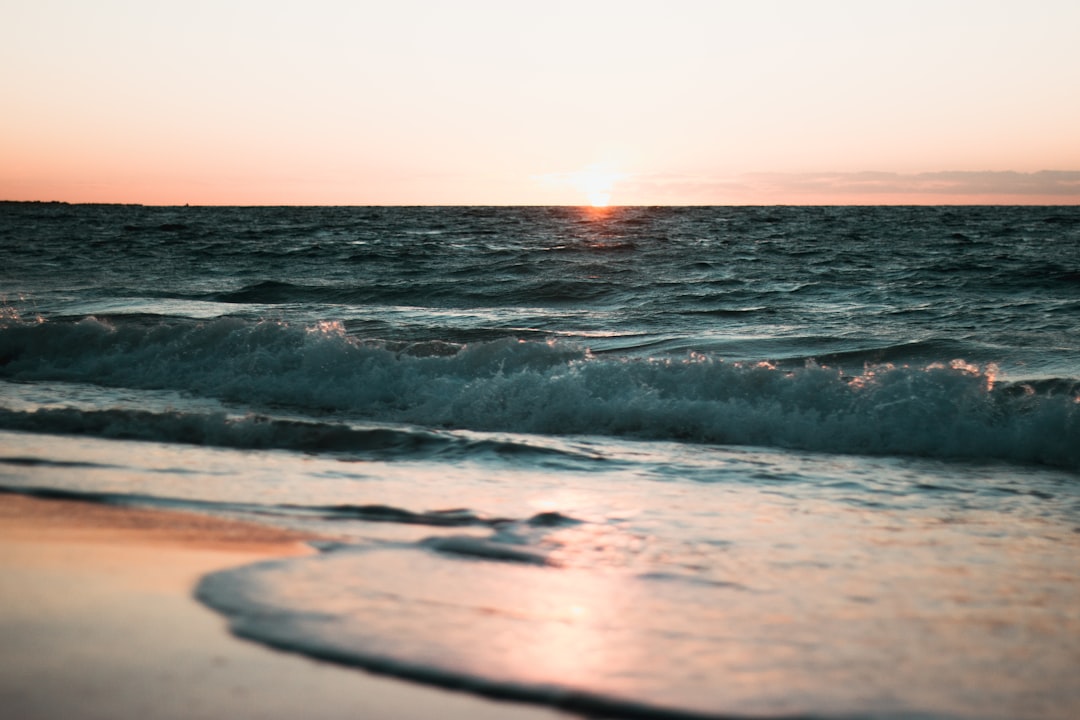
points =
(945, 409)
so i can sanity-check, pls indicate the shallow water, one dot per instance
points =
(658, 461)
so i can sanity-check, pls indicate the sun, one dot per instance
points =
(599, 199)
(594, 183)
(597, 182)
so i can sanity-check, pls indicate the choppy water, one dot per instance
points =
(711, 461)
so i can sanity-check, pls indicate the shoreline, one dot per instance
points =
(100, 621)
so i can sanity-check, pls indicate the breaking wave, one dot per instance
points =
(945, 409)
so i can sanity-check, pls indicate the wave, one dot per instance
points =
(273, 291)
(220, 430)
(449, 518)
(942, 409)
(473, 616)
(259, 432)
(468, 286)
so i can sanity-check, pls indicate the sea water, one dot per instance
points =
(649, 462)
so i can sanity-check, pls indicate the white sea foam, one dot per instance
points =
(939, 409)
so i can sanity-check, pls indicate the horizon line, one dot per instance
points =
(585, 206)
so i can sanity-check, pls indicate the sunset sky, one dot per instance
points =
(345, 102)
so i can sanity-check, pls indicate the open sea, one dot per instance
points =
(629, 462)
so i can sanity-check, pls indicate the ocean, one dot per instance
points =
(628, 462)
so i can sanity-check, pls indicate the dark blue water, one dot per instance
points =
(809, 456)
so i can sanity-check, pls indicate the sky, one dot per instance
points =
(514, 102)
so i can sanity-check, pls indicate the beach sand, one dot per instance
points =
(97, 620)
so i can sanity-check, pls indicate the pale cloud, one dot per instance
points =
(1045, 182)
(1057, 187)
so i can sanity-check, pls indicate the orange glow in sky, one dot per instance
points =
(487, 102)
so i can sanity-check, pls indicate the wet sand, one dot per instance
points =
(97, 620)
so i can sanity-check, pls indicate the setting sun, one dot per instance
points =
(600, 199)
(596, 182)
